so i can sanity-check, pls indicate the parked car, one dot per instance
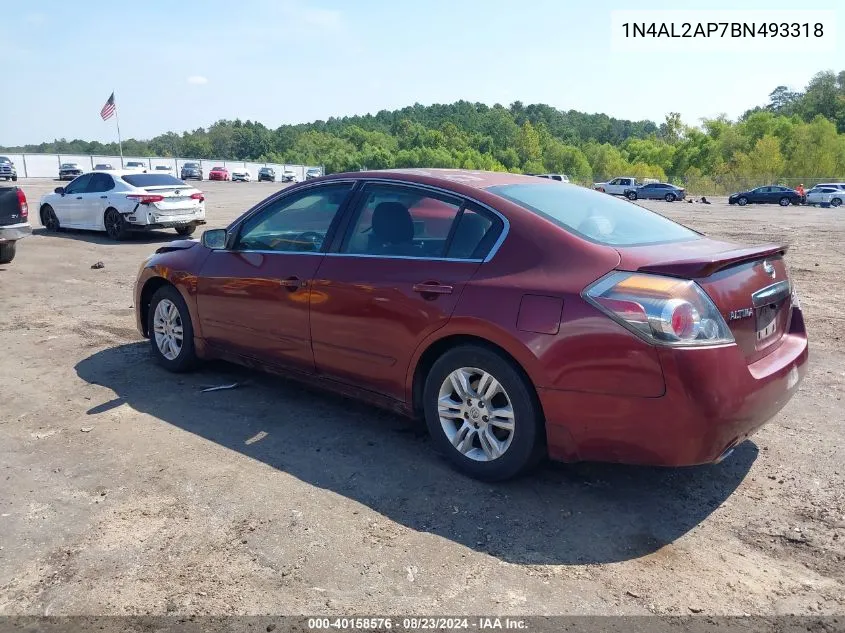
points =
(103, 167)
(14, 221)
(773, 194)
(657, 191)
(242, 175)
(621, 186)
(289, 175)
(135, 165)
(8, 171)
(69, 171)
(618, 336)
(120, 202)
(219, 173)
(163, 169)
(267, 173)
(312, 172)
(558, 177)
(191, 171)
(832, 185)
(825, 195)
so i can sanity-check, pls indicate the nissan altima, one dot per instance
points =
(520, 318)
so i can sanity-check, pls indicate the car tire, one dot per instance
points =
(631, 195)
(14, 178)
(7, 251)
(465, 424)
(49, 220)
(185, 231)
(742, 201)
(670, 197)
(784, 202)
(168, 317)
(115, 225)
(835, 202)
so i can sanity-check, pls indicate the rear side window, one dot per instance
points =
(402, 221)
(474, 235)
(595, 216)
(153, 180)
(100, 183)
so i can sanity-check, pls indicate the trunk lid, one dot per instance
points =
(176, 198)
(749, 285)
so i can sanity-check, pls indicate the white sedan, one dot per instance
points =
(821, 194)
(119, 202)
(242, 175)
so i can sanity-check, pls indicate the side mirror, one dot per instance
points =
(60, 190)
(214, 238)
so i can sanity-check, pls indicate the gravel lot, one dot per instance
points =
(125, 490)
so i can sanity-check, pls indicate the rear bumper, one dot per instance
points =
(15, 232)
(713, 401)
(166, 225)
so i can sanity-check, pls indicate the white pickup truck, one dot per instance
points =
(619, 186)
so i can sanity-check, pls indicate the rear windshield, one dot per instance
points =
(152, 180)
(595, 216)
(131, 164)
(191, 165)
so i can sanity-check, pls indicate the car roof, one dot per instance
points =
(448, 177)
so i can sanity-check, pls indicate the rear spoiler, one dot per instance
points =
(705, 266)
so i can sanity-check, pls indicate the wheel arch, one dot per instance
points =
(150, 287)
(431, 350)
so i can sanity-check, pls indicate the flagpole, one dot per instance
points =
(119, 142)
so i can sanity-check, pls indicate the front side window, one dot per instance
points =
(79, 185)
(295, 223)
(595, 216)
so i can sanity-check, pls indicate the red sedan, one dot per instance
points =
(219, 173)
(520, 317)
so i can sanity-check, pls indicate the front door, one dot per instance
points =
(253, 298)
(69, 207)
(395, 279)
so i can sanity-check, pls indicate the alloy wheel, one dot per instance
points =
(476, 414)
(167, 328)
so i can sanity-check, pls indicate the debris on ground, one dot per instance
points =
(233, 385)
(98, 265)
(87, 429)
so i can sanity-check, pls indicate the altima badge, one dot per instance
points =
(744, 313)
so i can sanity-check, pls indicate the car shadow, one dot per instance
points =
(97, 237)
(558, 514)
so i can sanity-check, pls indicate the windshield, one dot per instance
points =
(153, 180)
(69, 165)
(595, 216)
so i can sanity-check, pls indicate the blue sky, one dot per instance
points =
(184, 64)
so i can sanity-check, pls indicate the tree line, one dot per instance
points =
(798, 134)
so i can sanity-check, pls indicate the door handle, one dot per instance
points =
(103, 197)
(432, 288)
(79, 197)
(291, 283)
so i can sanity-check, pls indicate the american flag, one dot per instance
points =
(108, 110)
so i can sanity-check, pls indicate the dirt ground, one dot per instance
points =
(125, 490)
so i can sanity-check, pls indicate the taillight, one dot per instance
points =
(22, 204)
(145, 198)
(660, 309)
(197, 196)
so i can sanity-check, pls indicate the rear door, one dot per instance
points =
(95, 201)
(395, 278)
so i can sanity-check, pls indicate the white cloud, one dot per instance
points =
(197, 80)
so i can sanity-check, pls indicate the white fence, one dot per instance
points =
(47, 165)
